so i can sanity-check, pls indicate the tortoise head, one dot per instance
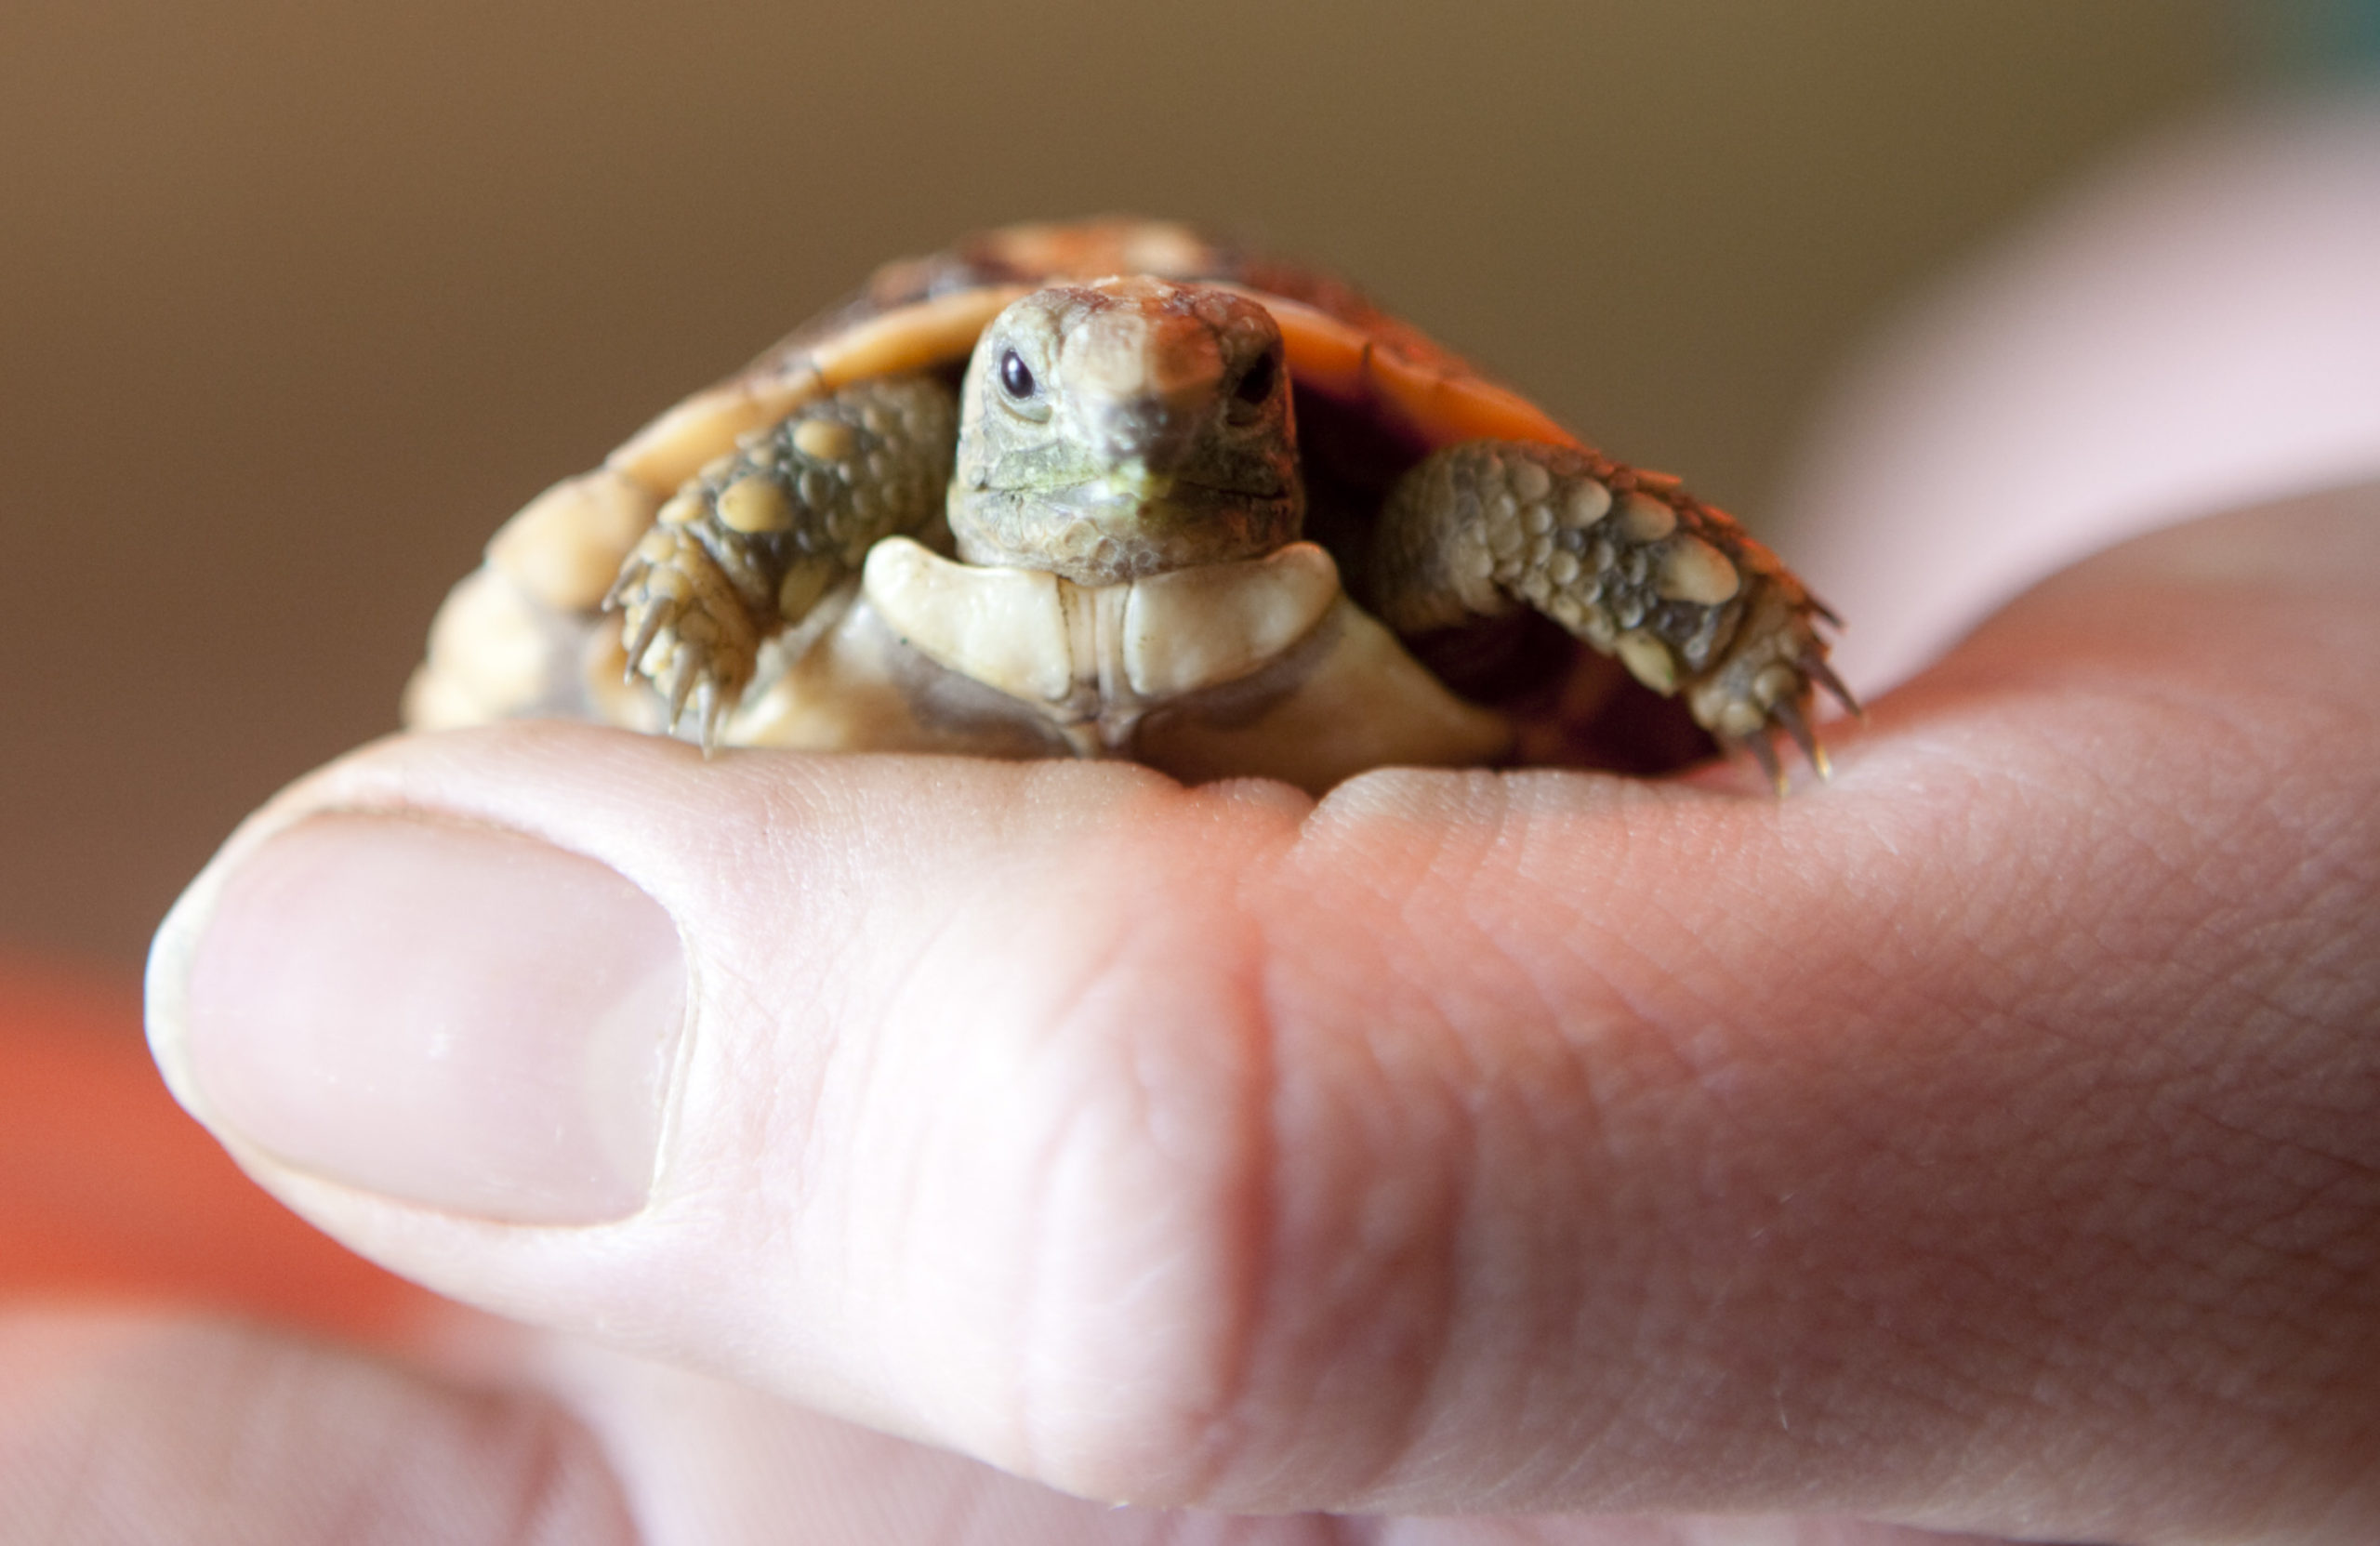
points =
(1124, 428)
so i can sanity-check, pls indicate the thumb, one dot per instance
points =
(828, 1075)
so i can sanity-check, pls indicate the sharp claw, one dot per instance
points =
(706, 707)
(613, 598)
(1788, 713)
(1815, 667)
(1766, 755)
(682, 687)
(648, 629)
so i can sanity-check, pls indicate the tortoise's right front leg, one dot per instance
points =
(753, 540)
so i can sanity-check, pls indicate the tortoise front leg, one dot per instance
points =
(753, 540)
(1624, 559)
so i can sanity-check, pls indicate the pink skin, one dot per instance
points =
(1985, 1142)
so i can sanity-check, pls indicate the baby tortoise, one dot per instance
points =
(1112, 489)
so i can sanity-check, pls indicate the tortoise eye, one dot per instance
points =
(1016, 378)
(1256, 386)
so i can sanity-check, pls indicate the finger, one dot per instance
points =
(712, 1463)
(122, 1428)
(1983, 1141)
(118, 1427)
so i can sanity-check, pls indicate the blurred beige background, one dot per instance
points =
(296, 302)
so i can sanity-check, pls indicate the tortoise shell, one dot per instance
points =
(526, 634)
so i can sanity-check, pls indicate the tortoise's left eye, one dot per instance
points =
(1016, 377)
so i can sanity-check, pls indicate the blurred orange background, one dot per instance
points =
(298, 302)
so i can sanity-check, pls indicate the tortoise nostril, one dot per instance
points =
(1256, 384)
(1150, 430)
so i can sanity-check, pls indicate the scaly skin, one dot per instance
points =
(751, 542)
(1154, 430)
(1624, 559)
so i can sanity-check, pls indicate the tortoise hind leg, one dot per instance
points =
(1627, 561)
(751, 542)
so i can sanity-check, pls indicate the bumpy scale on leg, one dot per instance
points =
(1624, 559)
(753, 540)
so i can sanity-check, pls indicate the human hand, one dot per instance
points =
(1985, 1141)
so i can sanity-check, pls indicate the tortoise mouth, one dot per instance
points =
(1151, 491)
(1167, 508)
(1101, 531)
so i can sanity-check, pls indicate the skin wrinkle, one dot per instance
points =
(1613, 1104)
(1482, 1065)
(1433, 1349)
(2151, 1189)
(1262, 1187)
(993, 895)
(855, 1091)
(1319, 832)
(1649, 1389)
(2345, 976)
(916, 983)
(1431, 1352)
(1087, 1010)
(1473, 1258)
(1040, 1332)
(1540, 1389)
(734, 991)
(1397, 1435)
(1267, 871)
(808, 1086)
(781, 1089)
(2221, 1277)
(1266, 1314)
(1256, 1210)
(786, 1095)
(1875, 1141)
(1023, 1436)
(541, 1481)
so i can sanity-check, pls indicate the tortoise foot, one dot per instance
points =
(1674, 590)
(685, 629)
